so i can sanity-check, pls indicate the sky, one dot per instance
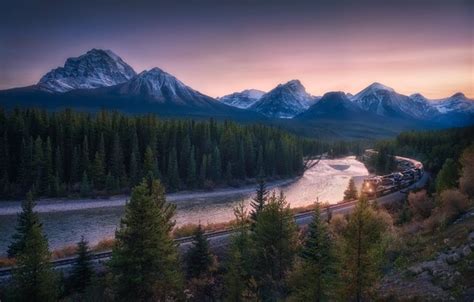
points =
(222, 46)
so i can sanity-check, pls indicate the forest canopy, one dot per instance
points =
(70, 152)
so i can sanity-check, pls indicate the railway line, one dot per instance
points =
(222, 236)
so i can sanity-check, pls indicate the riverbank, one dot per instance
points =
(48, 205)
(65, 221)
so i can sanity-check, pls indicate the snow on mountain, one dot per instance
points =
(457, 103)
(162, 87)
(94, 69)
(385, 101)
(243, 99)
(284, 101)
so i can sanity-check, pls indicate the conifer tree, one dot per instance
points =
(351, 192)
(85, 185)
(116, 161)
(216, 165)
(82, 271)
(58, 163)
(173, 170)
(448, 176)
(238, 279)
(191, 172)
(33, 277)
(26, 163)
(200, 268)
(228, 173)
(275, 242)
(199, 257)
(25, 220)
(313, 278)
(150, 165)
(98, 171)
(75, 167)
(145, 259)
(203, 170)
(258, 202)
(361, 252)
(38, 164)
(85, 162)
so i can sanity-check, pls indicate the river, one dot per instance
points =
(65, 221)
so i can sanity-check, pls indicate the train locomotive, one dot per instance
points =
(408, 172)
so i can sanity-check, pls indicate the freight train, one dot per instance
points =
(408, 172)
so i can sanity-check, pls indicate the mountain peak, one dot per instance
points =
(378, 86)
(284, 101)
(96, 68)
(459, 95)
(243, 99)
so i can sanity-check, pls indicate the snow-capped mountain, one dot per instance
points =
(243, 99)
(284, 101)
(384, 101)
(161, 87)
(94, 69)
(455, 103)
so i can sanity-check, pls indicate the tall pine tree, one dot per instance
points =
(33, 277)
(145, 258)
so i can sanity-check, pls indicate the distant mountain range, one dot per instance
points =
(101, 79)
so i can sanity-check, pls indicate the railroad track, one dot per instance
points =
(300, 217)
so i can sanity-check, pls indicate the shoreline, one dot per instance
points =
(49, 205)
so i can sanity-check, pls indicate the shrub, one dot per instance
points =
(466, 182)
(454, 203)
(420, 204)
(338, 224)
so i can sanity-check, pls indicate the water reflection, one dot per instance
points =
(65, 221)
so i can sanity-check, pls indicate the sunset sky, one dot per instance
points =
(223, 46)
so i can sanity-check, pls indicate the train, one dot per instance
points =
(408, 172)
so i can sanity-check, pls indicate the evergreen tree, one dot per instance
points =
(216, 165)
(260, 162)
(238, 279)
(26, 164)
(313, 278)
(191, 172)
(448, 176)
(25, 220)
(362, 252)
(134, 168)
(4, 155)
(258, 202)
(82, 271)
(85, 162)
(98, 171)
(38, 165)
(173, 170)
(33, 277)
(58, 164)
(351, 192)
(145, 259)
(134, 160)
(75, 167)
(199, 257)
(51, 151)
(150, 165)
(200, 268)
(203, 170)
(116, 161)
(85, 185)
(48, 178)
(275, 241)
(228, 173)
(4, 166)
